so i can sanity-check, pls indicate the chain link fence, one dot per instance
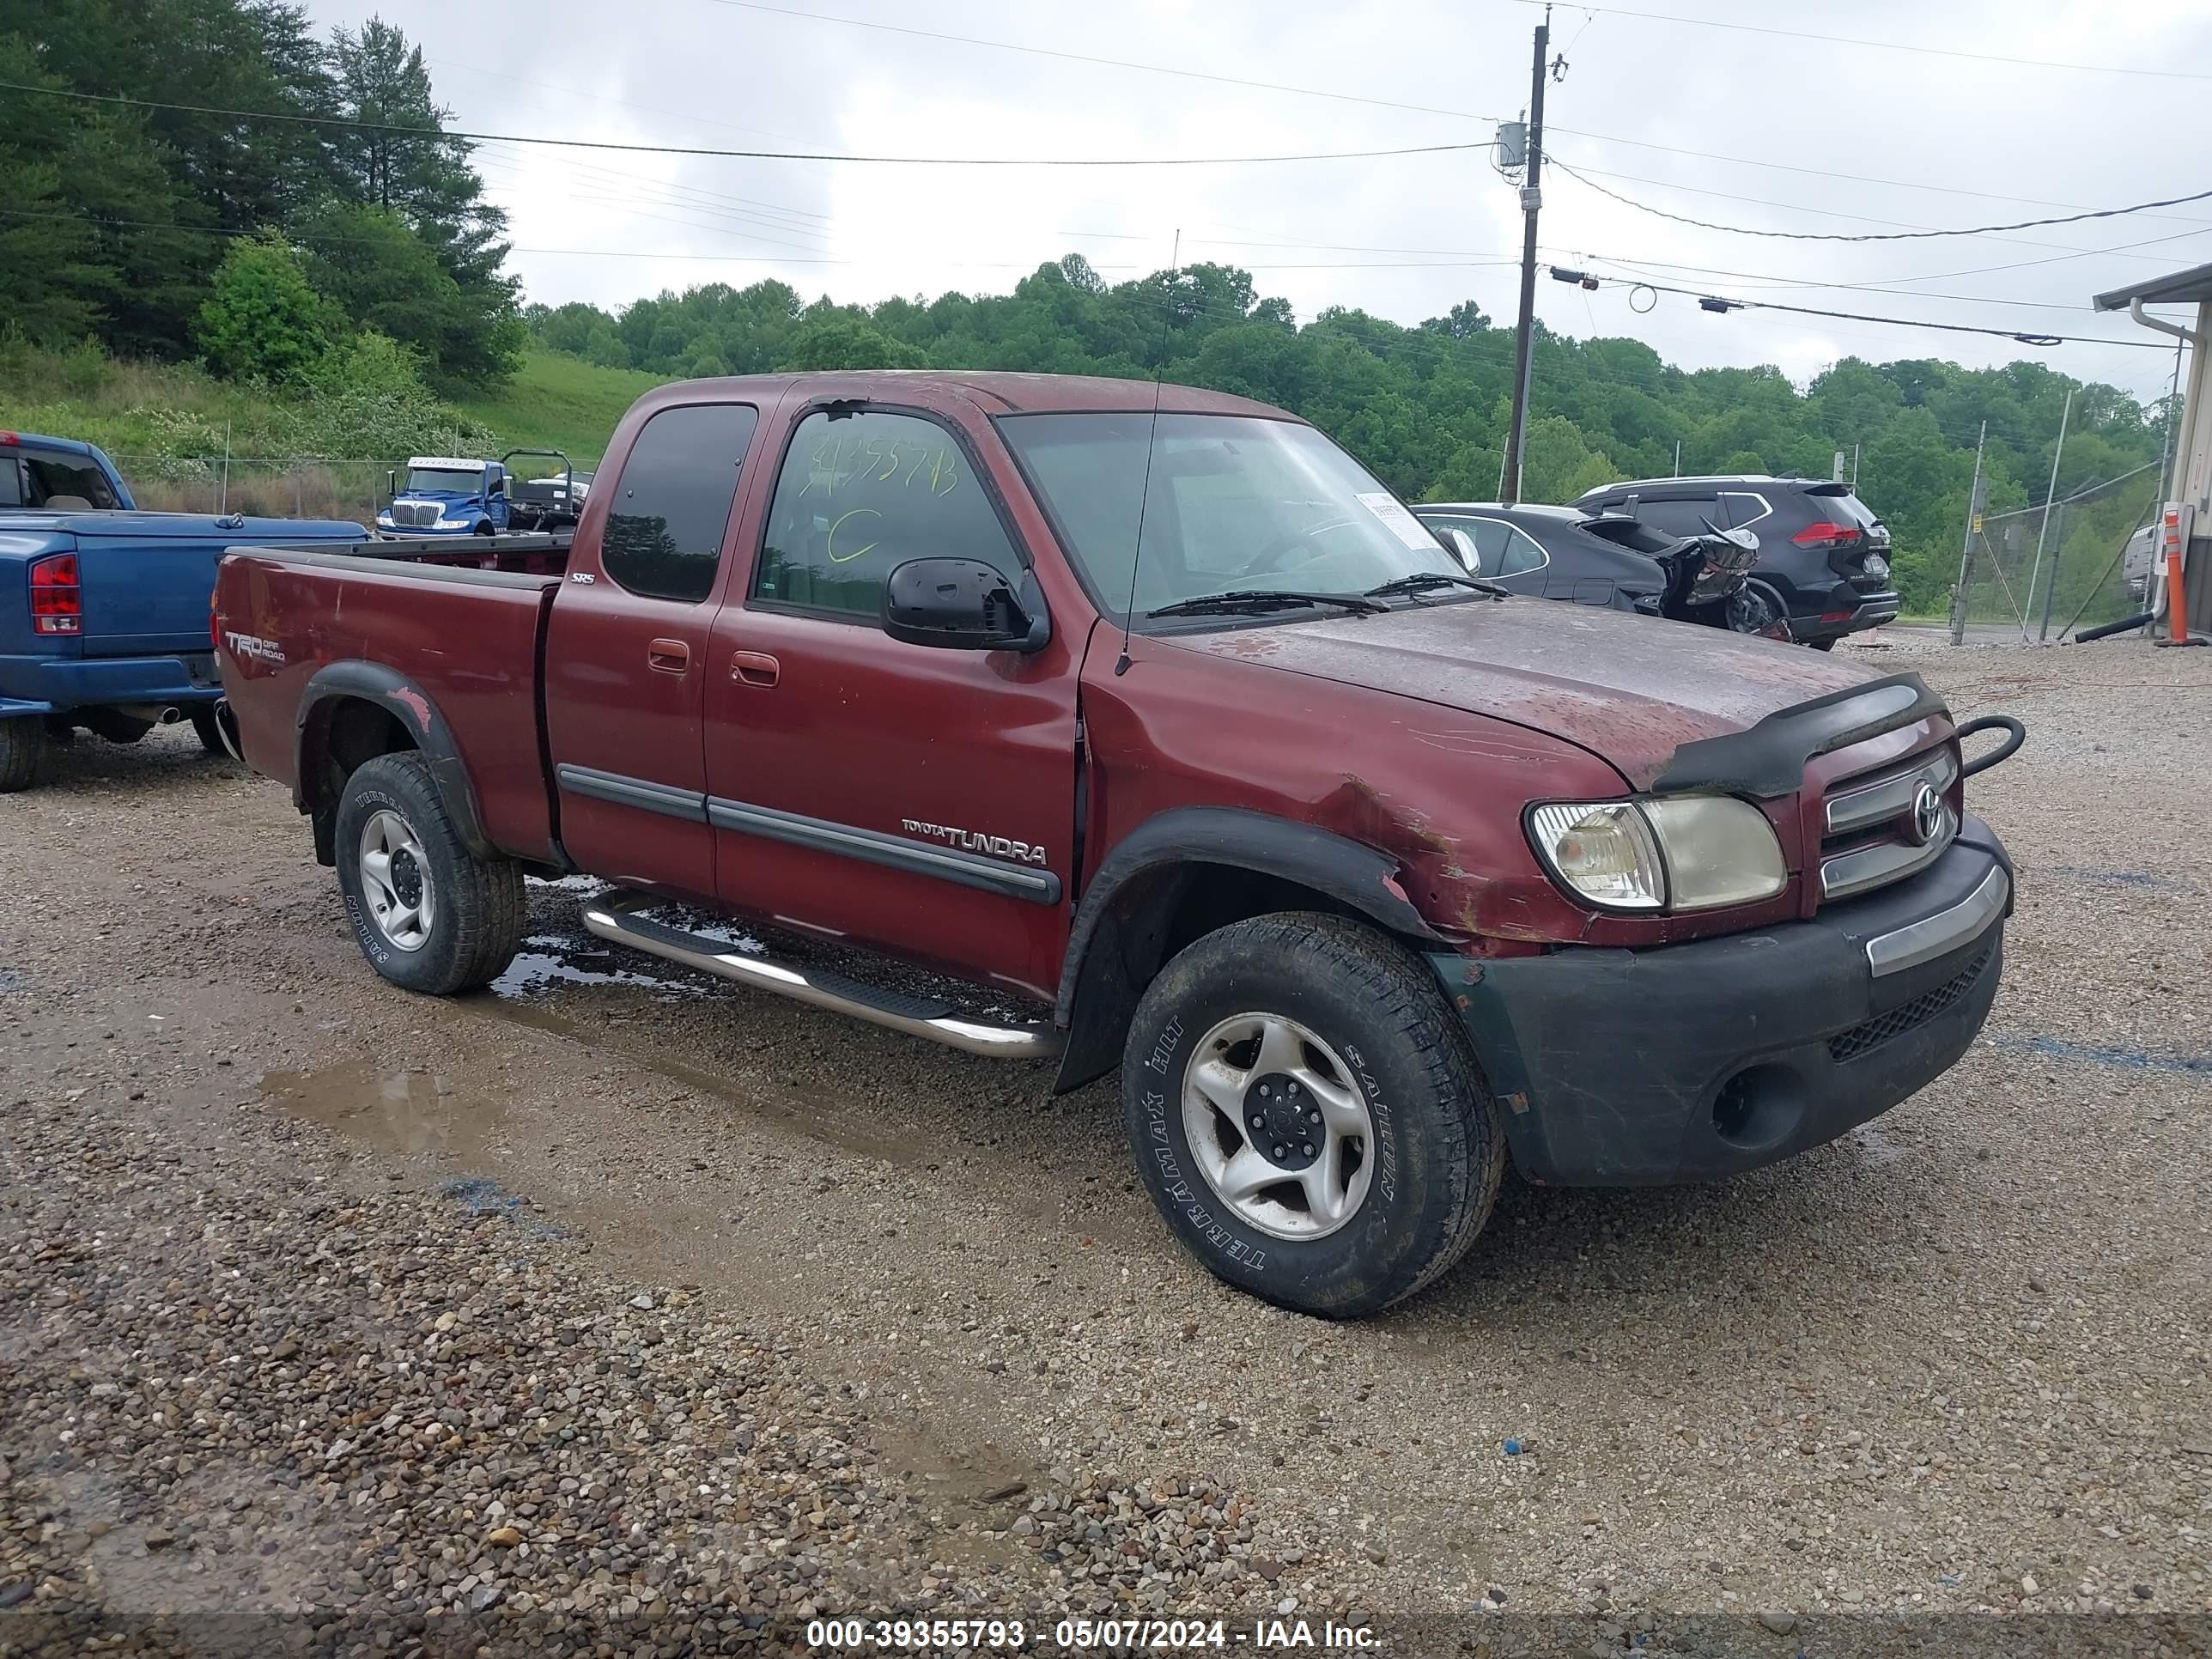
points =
(280, 487)
(2035, 573)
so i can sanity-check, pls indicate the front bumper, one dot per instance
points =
(1688, 1061)
(44, 685)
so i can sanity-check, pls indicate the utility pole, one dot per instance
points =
(1967, 553)
(2051, 580)
(1531, 199)
(2050, 491)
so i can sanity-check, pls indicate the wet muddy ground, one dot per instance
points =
(1958, 1361)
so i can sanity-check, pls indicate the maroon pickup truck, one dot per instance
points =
(1172, 726)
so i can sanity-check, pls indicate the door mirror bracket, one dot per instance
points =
(965, 605)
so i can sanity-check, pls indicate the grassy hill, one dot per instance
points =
(168, 426)
(559, 402)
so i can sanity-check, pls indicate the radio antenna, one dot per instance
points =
(1152, 442)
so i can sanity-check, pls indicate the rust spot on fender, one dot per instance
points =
(1356, 808)
(415, 704)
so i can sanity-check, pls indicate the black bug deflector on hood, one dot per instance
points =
(1767, 758)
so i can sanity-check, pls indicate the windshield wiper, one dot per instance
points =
(1421, 581)
(1260, 600)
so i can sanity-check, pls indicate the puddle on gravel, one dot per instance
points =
(550, 959)
(815, 1117)
(413, 1111)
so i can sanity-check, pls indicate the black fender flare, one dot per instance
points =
(1120, 937)
(420, 718)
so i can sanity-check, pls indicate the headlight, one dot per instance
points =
(1690, 852)
(1605, 853)
(452, 523)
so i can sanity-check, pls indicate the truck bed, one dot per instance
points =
(457, 628)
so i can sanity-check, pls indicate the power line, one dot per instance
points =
(1420, 109)
(1718, 302)
(1638, 267)
(1384, 103)
(751, 259)
(1887, 45)
(455, 134)
(1825, 212)
(1104, 63)
(1877, 236)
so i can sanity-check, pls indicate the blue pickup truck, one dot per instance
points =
(103, 609)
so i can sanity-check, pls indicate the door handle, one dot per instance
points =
(668, 657)
(754, 668)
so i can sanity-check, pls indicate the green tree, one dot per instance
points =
(367, 262)
(845, 343)
(263, 321)
(96, 237)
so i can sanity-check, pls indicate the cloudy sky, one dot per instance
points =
(1724, 123)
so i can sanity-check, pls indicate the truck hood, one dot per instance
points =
(1629, 689)
(440, 497)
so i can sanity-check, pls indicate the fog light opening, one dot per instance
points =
(1760, 1107)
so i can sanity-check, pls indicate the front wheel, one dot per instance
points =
(1307, 1113)
(427, 913)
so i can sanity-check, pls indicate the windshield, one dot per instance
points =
(444, 481)
(1235, 503)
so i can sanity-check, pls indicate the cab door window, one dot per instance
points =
(861, 493)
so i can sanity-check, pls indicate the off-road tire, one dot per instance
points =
(201, 715)
(22, 746)
(1438, 1146)
(476, 923)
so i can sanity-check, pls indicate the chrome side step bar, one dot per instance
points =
(613, 917)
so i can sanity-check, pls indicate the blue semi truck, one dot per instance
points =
(103, 609)
(454, 495)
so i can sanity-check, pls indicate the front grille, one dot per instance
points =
(1871, 838)
(1910, 1016)
(416, 514)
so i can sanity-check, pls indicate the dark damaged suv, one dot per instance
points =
(1823, 555)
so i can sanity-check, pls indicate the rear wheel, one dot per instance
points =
(22, 746)
(1307, 1113)
(427, 913)
(204, 726)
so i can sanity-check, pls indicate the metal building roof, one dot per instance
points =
(2190, 288)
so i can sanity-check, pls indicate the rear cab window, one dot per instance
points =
(671, 508)
(46, 478)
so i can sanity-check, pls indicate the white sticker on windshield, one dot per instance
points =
(1407, 528)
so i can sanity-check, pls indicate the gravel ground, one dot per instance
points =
(627, 1311)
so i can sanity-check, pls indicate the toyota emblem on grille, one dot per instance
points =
(1927, 821)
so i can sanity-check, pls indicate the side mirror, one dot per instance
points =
(963, 604)
(1463, 544)
(391, 482)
